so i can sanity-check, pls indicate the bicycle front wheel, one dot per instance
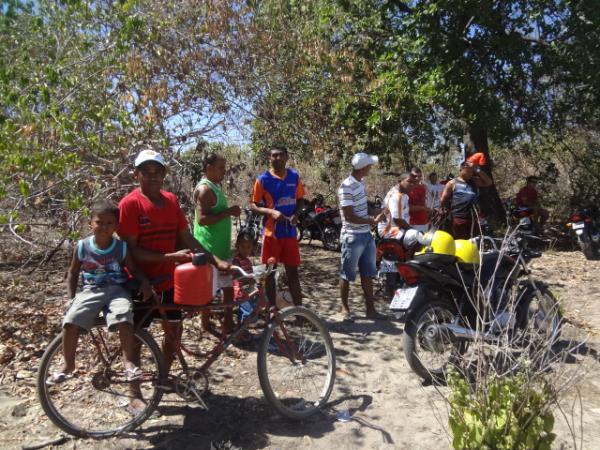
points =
(296, 363)
(95, 402)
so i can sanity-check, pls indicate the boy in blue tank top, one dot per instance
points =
(97, 265)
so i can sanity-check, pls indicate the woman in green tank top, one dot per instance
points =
(214, 237)
(212, 223)
(212, 220)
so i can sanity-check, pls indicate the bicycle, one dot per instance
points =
(295, 363)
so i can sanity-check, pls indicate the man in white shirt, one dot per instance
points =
(434, 191)
(397, 217)
(358, 246)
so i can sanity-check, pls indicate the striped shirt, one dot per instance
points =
(352, 193)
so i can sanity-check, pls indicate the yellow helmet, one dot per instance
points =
(437, 242)
(466, 251)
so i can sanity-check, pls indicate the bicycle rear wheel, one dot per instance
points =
(94, 402)
(296, 363)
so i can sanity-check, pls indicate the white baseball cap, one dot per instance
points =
(149, 155)
(362, 160)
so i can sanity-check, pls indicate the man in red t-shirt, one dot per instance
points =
(154, 227)
(528, 197)
(417, 199)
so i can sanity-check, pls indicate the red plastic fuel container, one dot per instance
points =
(193, 282)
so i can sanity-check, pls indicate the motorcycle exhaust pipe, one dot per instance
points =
(458, 334)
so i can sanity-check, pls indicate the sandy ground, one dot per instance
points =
(389, 406)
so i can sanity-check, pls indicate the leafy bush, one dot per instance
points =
(503, 413)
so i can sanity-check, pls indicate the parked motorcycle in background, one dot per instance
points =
(318, 221)
(586, 228)
(521, 216)
(252, 223)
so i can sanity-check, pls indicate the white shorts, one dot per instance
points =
(220, 281)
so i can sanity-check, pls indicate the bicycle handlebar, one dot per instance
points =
(254, 275)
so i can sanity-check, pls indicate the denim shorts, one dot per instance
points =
(358, 252)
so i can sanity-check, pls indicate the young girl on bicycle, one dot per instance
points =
(244, 246)
(97, 265)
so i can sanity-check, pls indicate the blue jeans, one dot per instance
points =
(358, 252)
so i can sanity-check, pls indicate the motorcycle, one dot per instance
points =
(448, 304)
(587, 231)
(522, 216)
(252, 224)
(320, 222)
(389, 252)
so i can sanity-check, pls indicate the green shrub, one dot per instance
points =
(501, 413)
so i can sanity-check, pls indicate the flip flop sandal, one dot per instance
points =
(58, 378)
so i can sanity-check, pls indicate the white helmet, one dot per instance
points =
(411, 238)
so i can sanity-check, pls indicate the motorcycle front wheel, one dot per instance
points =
(427, 347)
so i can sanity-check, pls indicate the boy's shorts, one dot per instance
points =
(285, 250)
(113, 300)
(358, 252)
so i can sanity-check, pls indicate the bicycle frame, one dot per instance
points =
(223, 342)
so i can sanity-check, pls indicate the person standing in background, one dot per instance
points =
(434, 191)
(282, 192)
(417, 198)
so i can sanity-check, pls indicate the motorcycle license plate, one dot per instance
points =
(337, 220)
(403, 298)
(387, 266)
(578, 225)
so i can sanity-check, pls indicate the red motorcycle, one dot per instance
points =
(390, 252)
(321, 222)
(587, 231)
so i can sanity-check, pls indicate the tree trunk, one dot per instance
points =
(476, 140)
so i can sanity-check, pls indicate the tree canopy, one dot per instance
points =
(84, 83)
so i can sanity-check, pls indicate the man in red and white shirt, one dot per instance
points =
(154, 227)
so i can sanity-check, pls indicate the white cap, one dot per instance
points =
(149, 155)
(362, 160)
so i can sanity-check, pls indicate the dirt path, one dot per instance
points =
(389, 406)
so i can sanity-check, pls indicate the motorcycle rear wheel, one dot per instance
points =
(391, 284)
(542, 322)
(299, 231)
(331, 238)
(429, 356)
(587, 247)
